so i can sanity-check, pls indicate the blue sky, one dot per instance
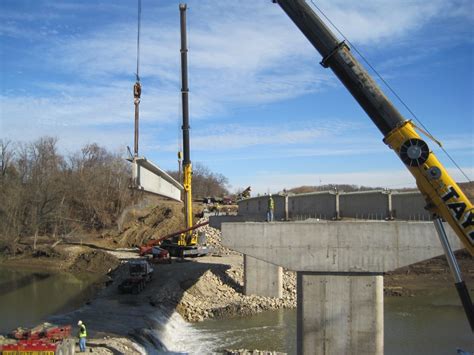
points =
(263, 111)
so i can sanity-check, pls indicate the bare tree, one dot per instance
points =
(44, 193)
(205, 182)
(6, 156)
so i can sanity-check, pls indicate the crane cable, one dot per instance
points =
(137, 88)
(138, 39)
(425, 130)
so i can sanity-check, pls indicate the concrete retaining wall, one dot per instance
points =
(256, 208)
(373, 205)
(409, 206)
(321, 205)
(364, 205)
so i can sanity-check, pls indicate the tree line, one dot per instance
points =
(205, 183)
(44, 192)
(332, 187)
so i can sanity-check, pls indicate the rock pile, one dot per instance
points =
(218, 292)
(250, 352)
(214, 240)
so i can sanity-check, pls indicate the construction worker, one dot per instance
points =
(271, 207)
(82, 335)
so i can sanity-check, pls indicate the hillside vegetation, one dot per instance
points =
(44, 192)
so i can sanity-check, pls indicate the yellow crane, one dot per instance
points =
(444, 198)
(187, 243)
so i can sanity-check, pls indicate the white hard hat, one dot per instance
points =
(79, 323)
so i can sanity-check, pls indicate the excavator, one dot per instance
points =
(444, 198)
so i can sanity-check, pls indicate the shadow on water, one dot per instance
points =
(28, 298)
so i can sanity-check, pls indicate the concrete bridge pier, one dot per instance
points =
(340, 313)
(262, 278)
(339, 269)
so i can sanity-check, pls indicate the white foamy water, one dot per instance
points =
(178, 336)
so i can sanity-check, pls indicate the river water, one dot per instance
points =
(430, 324)
(28, 297)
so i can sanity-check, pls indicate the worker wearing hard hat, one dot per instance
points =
(271, 207)
(82, 335)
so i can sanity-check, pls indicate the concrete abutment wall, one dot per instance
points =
(331, 205)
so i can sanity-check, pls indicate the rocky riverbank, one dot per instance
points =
(218, 291)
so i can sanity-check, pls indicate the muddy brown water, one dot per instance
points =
(431, 323)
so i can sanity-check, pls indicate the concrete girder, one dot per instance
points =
(148, 177)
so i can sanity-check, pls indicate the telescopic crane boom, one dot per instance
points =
(443, 196)
(185, 242)
(137, 88)
(188, 238)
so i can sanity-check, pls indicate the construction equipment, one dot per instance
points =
(444, 198)
(45, 339)
(186, 243)
(245, 193)
(140, 273)
(173, 247)
(137, 88)
(160, 256)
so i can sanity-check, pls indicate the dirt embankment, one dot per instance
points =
(50, 256)
(429, 274)
(89, 251)
(141, 225)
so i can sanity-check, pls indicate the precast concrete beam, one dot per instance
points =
(148, 177)
(261, 278)
(337, 246)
